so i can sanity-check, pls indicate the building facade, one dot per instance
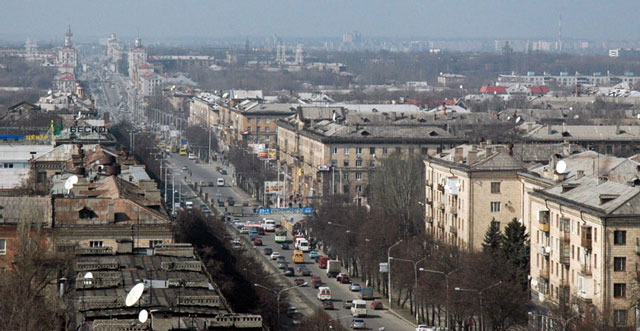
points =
(467, 188)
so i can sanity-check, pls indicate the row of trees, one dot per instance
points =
(393, 225)
(251, 171)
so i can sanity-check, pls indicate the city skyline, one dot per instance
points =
(163, 20)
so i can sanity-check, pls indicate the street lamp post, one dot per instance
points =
(415, 284)
(389, 270)
(479, 299)
(278, 294)
(446, 280)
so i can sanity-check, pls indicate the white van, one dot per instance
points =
(324, 293)
(359, 308)
(220, 182)
(302, 244)
(269, 225)
(188, 204)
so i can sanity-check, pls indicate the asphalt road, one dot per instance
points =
(340, 292)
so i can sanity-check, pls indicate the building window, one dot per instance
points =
(619, 237)
(398, 149)
(3, 246)
(267, 120)
(495, 206)
(358, 188)
(345, 189)
(495, 187)
(154, 243)
(619, 263)
(335, 150)
(358, 163)
(8, 165)
(358, 175)
(425, 151)
(334, 163)
(248, 129)
(385, 151)
(346, 151)
(358, 150)
(257, 129)
(620, 317)
(345, 176)
(619, 290)
(346, 163)
(372, 163)
(372, 150)
(267, 129)
(95, 244)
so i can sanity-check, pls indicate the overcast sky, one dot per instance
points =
(436, 19)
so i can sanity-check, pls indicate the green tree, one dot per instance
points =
(515, 248)
(493, 238)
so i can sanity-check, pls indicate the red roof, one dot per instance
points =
(145, 65)
(67, 77)
(539, 89)
(493, 89)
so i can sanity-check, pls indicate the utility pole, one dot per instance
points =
(389, 269)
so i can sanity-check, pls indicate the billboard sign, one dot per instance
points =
(281, 211)
(273, 187)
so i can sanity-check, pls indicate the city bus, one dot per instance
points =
(281, 236)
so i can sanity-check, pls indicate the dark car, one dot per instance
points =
(288, 271)
(282, 265)
(260, 231)
(220, 203)
(223, 172)
(346, 304)
(231, 202)
(268, 251)
(327, 304)
(299, 282)
(281, 258)
(376, 304)
(316, 281)
(304, 271)
(284, 246)
(257, 242)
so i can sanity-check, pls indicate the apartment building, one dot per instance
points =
(252, 122)
(330, 156)
(467, 188)
(203, 110)
(585, 244)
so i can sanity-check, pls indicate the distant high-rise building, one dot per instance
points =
(351, 37)
(299, 59)
(137, 55)
(67, 59)
(114, 51)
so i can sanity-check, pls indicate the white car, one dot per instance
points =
(423, 327)
(274, 255)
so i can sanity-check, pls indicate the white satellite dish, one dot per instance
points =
(576, 116)
(73, 179)
(134, 295)
(534, 282)
(561, 167)
(143, 316)
(547, 249)
(638, 116)
(521, 221)
(88, 275)
(518, 119)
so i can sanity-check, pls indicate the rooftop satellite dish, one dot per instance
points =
(518, 119)
(576, 116)
(521, 221)
(134, 295)
(547, 249)
(73, 179)
(68, 185)
(534, 282)
(143, 316)
(88, 275)
(561, 167)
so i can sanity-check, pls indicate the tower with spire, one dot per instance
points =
(67, 59)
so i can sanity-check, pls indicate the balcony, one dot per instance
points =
(543, 220)
(441, 188)
(442, 206)
(585, 269)
(544, 272)
(565, 255)
(453, 210)
(638, 246)
(586, 236)
(440, 224)
(453, 229)
(544, 227)
(545, 250)
(565, 237)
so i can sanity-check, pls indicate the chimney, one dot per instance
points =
(618, 131)
(111, 213)
(457, 156)
(549, 128)
(579, 174)
(472, 156)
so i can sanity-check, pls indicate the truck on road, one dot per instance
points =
(366, 293)
(333, 268)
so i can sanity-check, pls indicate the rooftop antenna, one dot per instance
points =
(134, 295)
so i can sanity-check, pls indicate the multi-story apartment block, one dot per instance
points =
(203, 110)
(467, 188)
(564, 79)
(251, 122)
(584, 246)
(324, 157)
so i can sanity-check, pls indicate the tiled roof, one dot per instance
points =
(493, 89)
(581, 132)
(25, 208)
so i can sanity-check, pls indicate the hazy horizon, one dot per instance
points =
(435, 19)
